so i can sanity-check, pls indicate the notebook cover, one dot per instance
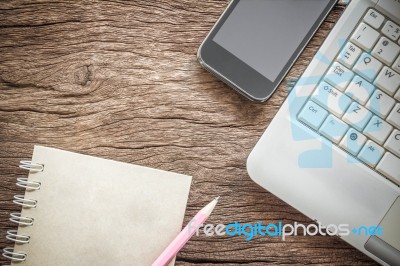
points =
(93, 211)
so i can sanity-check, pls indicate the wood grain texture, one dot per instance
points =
(120, 80)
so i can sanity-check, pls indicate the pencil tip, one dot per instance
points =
(217, 198)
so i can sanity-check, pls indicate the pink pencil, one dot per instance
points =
(184, 236)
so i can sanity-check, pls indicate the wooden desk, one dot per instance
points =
(120, 80)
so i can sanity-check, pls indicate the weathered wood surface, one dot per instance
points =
(120, 80)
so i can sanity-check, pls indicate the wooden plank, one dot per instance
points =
(120, 80)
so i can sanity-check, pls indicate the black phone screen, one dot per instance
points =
(264, 34)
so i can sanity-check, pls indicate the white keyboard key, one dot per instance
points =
(339, 76)
(396, 65)
(374, 19)
(353, 141)
(365, 36)
(397, 95)
(333, 128)
(380, 103)
(371, 153)
(377, 129)
(386, 50)
(312, 115)
(388, 80)
(394, 116)
(393, 142)
(330, 98)
(391, 30)
(357, 116)
(391, 7)
(360, 90)
(390, 167)
(349, 54)
(368, 66)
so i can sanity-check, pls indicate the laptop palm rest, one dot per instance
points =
(387, 246)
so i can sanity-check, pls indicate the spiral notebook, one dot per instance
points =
(83, 210)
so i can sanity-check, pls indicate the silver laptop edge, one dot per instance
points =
(339, 189)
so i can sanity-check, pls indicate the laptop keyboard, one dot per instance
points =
(356, 104)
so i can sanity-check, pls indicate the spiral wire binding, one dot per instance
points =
(29, 185)
(17, 218)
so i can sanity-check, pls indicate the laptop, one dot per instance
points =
(333, 149)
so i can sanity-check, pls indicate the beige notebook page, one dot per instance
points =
(92, 211)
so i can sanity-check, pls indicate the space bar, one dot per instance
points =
(390, 167)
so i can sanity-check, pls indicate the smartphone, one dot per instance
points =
(255, 42)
